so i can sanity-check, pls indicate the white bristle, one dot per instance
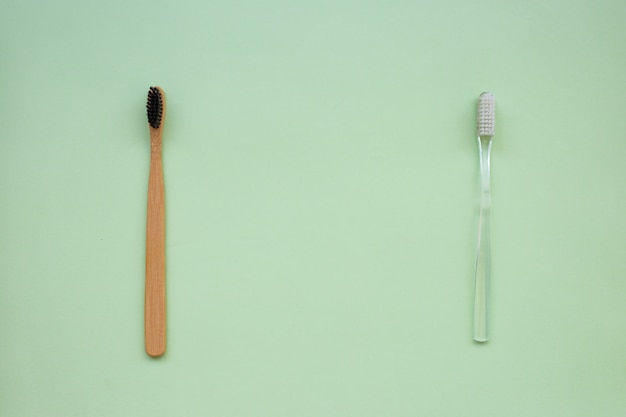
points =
(486, 115)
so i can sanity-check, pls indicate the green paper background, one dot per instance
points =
(321, 177)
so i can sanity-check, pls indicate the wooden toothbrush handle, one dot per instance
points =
(155, 254)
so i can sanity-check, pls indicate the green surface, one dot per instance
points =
(322, 192)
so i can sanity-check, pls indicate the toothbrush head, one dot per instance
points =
(155, 107)
(486, 115)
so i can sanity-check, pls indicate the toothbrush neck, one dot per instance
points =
(155, 140)
(484, 146)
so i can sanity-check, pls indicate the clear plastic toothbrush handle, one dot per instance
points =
(483, 251)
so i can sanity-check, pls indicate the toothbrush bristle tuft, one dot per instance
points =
(154, 107)
(486, 115)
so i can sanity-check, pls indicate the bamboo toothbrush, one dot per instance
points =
(155, 230)
(485, 130)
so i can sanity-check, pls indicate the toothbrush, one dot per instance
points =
(155, 231)
(485, 130)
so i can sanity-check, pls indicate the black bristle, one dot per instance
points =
(154, 107)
